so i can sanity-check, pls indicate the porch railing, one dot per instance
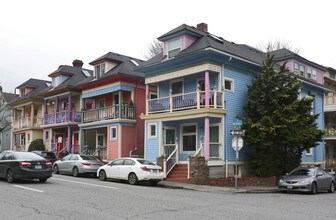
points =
(170, 162)
(329, 100)
(100, 152)
(27, 123)
(192, 100)
(63, 116)
(111, 112)
(168, 149)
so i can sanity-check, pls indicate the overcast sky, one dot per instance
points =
(36, 36)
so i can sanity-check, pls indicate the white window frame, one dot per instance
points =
(101, 71)
(309, 72)
(153, 93)
(310, 152)
(303, 74)
(314, 73)
(56, 81)
(150, 136)
(188, 134)
(232, 84)
(176, 81)
(111, 133)
(296, 68)
(174, 48)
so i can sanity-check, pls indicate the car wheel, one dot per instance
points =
(132, 179)
(102, 175)
(9, 176)
(313, 188)
(153, 183)
(75, 172)
(43, 180)
(55, 169)
(332, 187)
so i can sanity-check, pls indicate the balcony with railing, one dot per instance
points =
(186, 101)
(111, 112)
(63, 117)
(27, 123)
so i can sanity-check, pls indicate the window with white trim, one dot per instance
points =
(309, 151)
(228, 84)
(151, 131)
(189, 137)
(302, 70)
(314, 74)
(113, 133)
(309, 73)
(100, 70)
(174, 47)
(296, 68)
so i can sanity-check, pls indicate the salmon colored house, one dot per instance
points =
(112, 101)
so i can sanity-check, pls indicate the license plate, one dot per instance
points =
(154, 171)
(289, 187)
(38, 167)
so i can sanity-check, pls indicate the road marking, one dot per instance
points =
(89, 184)
(36, 190)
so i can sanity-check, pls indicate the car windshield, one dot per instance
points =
(27, 155)
(47, 154)
(145, 162)
(303, 172)
(87, 157)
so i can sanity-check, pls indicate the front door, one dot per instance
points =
(169, 141)
(59, 140)
(214, 142)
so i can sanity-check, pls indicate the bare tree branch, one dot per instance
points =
(155, 47)
(276, 45)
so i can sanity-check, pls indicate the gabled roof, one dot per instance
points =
(9, 97)
(38, 85)
(183, 28)
(207, 40)
(125, 66)
(285, 54)
(76, 77)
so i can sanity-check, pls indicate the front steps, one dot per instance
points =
(179, 174)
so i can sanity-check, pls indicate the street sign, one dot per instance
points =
(237, 143)
(238, 132)
(237, 123)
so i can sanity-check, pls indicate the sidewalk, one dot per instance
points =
(219, 189)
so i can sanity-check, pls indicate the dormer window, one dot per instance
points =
(23, 92)
(100, 70)
(55, 81)
(174, 47)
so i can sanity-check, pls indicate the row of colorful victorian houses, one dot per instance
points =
(180, 103)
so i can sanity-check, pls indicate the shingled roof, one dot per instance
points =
(125, 65)
(38, 85)
(207, 40)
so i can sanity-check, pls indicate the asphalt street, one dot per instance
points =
(67, 197)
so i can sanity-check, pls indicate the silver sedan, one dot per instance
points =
(77, 164)
(307, 179)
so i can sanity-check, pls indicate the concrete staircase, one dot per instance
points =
(179, 174)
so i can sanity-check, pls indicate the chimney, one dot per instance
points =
(202, 27)
(77, 63)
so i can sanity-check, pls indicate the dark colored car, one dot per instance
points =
(51, 156)
(24, 165)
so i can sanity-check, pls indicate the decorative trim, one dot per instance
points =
(183, 72)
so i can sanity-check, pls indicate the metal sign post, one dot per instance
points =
(237, 143)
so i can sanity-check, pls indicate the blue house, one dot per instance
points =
(195, 89)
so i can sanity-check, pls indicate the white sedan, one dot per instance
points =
(133, 170)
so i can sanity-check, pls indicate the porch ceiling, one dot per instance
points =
(105, 123)
(186, 114)
(184, 72)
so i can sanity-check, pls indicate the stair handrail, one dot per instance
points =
(85, 149)
(167, 167)
(131, 151)
(199, 151)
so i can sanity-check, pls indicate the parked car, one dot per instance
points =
(307, 179)
(51, 156)
(77, 164)
(24, 165)
(133, 170)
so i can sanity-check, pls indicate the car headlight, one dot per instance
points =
(281, 181)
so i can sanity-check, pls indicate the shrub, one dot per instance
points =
(36, 145)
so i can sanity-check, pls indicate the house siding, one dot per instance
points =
(152, 144)
(234, 103)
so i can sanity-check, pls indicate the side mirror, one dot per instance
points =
(286, 174)
(319, 174)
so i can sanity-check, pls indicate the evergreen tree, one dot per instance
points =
(279, 126)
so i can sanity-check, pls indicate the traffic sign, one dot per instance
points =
(237, 143)
(238, 132)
